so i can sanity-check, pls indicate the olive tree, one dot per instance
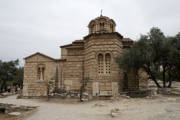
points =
(152, 52)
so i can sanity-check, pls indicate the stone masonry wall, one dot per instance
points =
(33, 86)
(73, 69)
(102, 44)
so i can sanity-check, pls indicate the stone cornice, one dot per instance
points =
(98, 35)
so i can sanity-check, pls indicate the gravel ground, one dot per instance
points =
(160, 108)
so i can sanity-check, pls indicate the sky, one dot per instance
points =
(30, 26)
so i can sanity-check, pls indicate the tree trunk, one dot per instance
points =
(157, 84)
(164, 77)
(3, 85)
(170, 80)
(153, 78)
(125, 81)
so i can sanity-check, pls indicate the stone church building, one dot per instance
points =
(93, 57)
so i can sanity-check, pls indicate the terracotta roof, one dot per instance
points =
(65, 45)
(78, 41)
(127, 39)
(38, 53)
(98, 34)
(74, 44)
(127, 42)
(101, 17)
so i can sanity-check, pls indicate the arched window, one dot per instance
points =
(92, 28)
(101, 26)
(40, 72)
(100, 64)
(108, 63)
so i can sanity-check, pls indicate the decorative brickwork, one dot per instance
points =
(93, 58)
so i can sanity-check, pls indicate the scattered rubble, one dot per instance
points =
(159, 108)
(5, 94)
(114, 112)
(13, 111)
(60, 93)
(171, 99)
(99, 105)
(13, 108)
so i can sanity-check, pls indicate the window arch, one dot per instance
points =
(100, 64)
(108, 63)
(40, 71)
(101, 26)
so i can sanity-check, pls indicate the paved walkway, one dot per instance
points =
(130, 109)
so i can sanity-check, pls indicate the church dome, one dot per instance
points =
(102, 24)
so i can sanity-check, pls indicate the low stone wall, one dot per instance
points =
(13, 112)
(139, 93)
(60, 94)
(8, 108)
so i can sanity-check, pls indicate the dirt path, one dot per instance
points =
(163, 108)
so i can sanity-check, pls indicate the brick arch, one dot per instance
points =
(111, 54)
(104, 62)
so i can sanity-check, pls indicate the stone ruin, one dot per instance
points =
(12, 111)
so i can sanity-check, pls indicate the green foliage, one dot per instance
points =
(151, 52)
(175, 57)
(10, 73)
(159, 76)
(18, 78)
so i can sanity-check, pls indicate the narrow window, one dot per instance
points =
(40, 72)
(101, 26)
(100, 64)
(92, 28)
(108, 63)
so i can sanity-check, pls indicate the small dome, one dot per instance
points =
(102, 24)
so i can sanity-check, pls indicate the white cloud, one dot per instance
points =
(28, 26)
